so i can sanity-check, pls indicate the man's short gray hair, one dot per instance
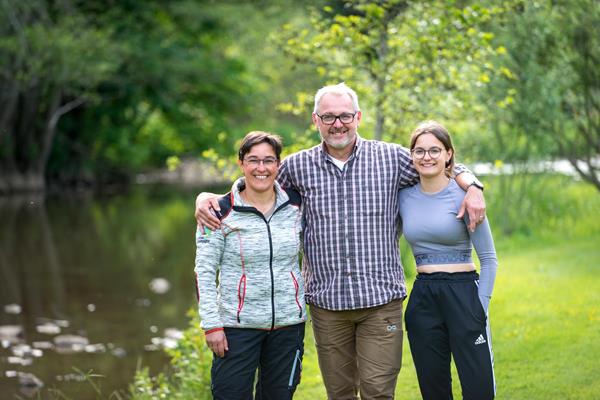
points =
(339, 89)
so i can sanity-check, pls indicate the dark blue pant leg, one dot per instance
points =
(280, 363)
(232, 377)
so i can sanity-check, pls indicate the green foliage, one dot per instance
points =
(51, 61)
(540, 205)
(52, 46)
(192, 77)
(135, 83)
(545, 100)
(176, 86)
(404, 66)
(190, 364)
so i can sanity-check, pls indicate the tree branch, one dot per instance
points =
(50, 130)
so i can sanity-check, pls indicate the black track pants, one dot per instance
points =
(444, 316)
(277, 354)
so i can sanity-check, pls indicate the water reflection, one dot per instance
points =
(91, 284)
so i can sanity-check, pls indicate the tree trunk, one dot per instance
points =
(380, 75)
(379, 110)
(8, 104)
(54, 115)
(26, 144)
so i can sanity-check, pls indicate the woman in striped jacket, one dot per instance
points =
(250, 291)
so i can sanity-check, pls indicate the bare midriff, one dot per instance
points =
(431, 268)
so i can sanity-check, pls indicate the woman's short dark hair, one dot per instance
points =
(257, 137)
(441, 134)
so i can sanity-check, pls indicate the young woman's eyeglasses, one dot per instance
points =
(419, 153)
(267, 162)
(329, 119)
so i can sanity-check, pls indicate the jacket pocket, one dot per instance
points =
(297, 288)
(241, 295)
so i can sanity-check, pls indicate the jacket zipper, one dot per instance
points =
(271, 261)
(272, 276)
(255, 211)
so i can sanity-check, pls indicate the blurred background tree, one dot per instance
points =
(408, 60)
(51, 62)
(98, 91)
(545, 102)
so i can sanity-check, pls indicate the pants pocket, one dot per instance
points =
(476, 306)
(296, 373)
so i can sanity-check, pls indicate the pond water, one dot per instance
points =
(92, 285)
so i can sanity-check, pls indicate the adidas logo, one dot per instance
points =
(480, 340)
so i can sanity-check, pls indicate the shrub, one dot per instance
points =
(189, 373)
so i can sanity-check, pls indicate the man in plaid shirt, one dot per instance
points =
(353, 275)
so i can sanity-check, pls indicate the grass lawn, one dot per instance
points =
(545, 317)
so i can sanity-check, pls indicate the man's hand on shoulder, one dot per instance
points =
(204, 214)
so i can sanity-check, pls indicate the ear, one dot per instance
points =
(358, 117)
(239, 163)
(314, 118)
(449, 154)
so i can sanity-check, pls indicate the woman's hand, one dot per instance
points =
(217, 342)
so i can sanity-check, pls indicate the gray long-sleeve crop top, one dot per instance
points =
(436, 237)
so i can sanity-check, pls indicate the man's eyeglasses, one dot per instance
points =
(267, 162)
(329, 119)
(419, 153)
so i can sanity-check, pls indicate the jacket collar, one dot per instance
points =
(240, 184)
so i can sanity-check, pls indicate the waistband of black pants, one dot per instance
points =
(448, 276)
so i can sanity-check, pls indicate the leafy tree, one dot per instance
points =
(582, 97)
(275, 78)
(178, 90)
(131, 83)
(50, 63)
(545, 102)
(407, 59)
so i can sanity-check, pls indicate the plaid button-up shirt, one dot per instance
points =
(351, 256)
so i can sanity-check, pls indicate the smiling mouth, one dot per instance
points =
(261, 177)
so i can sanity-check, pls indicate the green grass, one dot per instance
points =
(545, 317)
(545, 311)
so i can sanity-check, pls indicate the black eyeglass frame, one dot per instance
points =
(335, 117)
(428, 151)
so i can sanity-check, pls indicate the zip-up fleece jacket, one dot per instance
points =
(247, 272)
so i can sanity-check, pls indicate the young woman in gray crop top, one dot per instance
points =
(447, 313)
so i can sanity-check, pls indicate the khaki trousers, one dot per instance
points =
(359, 351)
